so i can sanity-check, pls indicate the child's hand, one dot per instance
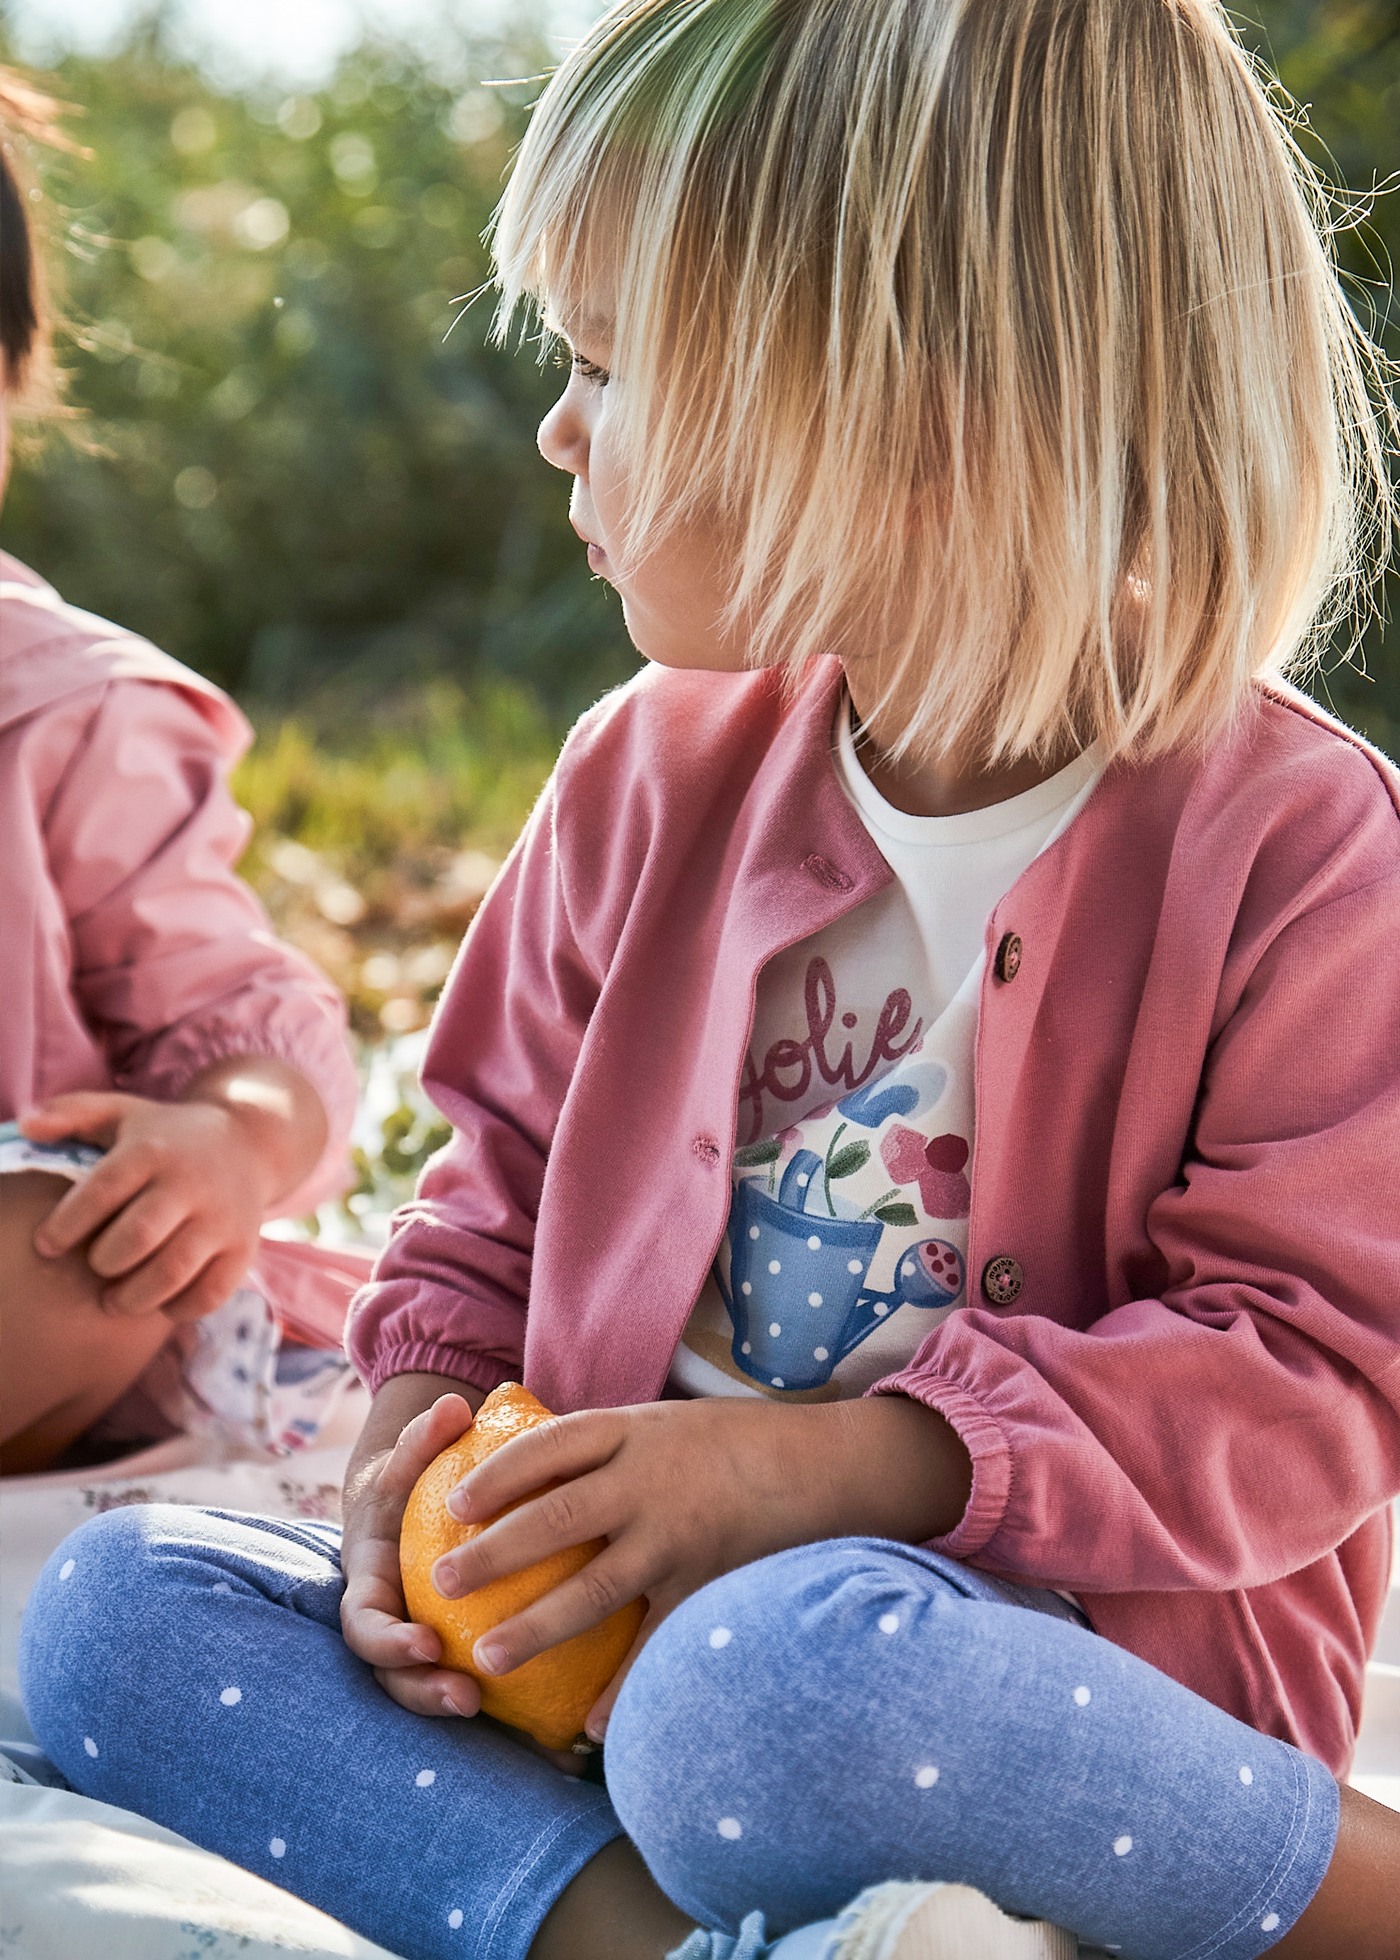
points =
(684, 1491)
(173, 1209)
(414, 1418)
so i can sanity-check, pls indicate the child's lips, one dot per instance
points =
(597, 557)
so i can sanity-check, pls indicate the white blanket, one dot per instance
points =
(78, 1878)
(82, 1879)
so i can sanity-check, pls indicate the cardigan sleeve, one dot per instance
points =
(449, 1291)
(174, 962)
(1246, 1421)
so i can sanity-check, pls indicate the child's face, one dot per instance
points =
(672, 601)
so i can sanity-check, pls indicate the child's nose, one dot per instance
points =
(563, 437)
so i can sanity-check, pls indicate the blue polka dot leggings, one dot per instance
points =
(804, 1727)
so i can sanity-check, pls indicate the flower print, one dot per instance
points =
(936, 1164)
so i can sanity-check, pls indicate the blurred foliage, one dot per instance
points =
(294, 475)
(373, 850)
(1340, 60)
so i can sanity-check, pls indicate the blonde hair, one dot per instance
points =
(1005, 334)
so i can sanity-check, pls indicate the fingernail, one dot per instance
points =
(459, 1505)
(449, 1706)
(490, 1658)
(446, 1581)
(418, 1652)
(595, 1732)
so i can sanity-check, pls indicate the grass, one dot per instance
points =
(376, 837)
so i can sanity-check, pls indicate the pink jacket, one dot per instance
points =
(131, 956)
(1188, 1132)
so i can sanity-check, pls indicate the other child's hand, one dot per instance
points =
(173, 1210)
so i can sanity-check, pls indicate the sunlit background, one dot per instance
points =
(286, 470)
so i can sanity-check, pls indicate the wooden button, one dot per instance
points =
(1002, 1280)
(1008, 960)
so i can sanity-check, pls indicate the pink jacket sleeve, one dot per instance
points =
(1242, 1424)
(175, 964)
(450, 1290)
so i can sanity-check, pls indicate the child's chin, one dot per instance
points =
(685, 655)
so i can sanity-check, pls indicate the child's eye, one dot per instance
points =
(582, 366)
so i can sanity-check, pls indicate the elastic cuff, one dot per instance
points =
(985, 1441)
(433, 1358)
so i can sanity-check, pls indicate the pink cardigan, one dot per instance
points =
(1188, 1137)
(131, 956)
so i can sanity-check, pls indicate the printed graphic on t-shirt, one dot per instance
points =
(847, 1231)
(794, 1067)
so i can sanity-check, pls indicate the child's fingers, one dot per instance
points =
(219, 1281)
(139, 1229)
(571, 1514)
(372, 1612)
(93, 1115)
(161, 1278)
(556, 1451)
(595, 1723)
(426, 1437)
(430, 1690)
(608, 1582)
(89, 1204)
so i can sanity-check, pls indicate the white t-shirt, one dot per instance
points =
(847, 1236)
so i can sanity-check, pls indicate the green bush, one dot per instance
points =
(298, 473)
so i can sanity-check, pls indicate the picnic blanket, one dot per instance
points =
(78, 1877)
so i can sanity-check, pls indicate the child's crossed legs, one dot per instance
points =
(822, 1720)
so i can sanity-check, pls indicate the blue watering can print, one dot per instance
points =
(797, 1291)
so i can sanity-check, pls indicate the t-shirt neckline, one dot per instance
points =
(1026, 810)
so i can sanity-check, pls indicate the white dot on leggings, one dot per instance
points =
(425, 1777)
(775, 1327)
(720, 1636)
(1246, 1775)
(89, 1745)
(821, 1354)
(231, 1697)
(221, 1586)
(889, 1623)
(1269, 1923)
(730, 1827)
(67, 1569)
(926, 1777)
(1122, 1846)
(454, 1918)
(1082, 1697)
(278, 1847)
